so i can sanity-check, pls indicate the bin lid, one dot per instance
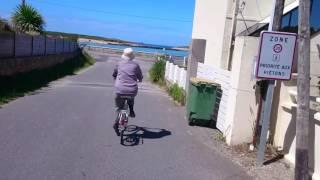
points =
(195, 80)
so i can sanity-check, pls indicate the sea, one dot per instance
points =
(176, 53)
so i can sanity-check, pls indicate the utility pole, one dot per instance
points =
(303, 111)
(233, 32)
(274, 25)
(276, 19)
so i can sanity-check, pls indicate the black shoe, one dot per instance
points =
(117, 132)
(132, 114)
(116, 129)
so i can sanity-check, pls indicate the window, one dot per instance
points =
(290, 21)
(315, 16)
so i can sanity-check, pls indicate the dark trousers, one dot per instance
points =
(119, 100)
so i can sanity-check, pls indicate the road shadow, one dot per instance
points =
(134, 135)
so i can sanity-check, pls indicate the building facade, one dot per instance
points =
(238, 115)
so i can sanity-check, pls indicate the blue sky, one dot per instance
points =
(166, 22)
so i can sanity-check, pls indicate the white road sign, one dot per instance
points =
(276, 55)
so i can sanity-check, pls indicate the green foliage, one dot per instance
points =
(21, 84)
(162, 57)
(27, 19)
(157, 72)
(177, 93)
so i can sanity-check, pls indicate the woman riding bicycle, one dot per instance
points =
(127, 74)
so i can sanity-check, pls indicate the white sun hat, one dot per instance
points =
(128, 54)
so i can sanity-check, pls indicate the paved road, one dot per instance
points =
(64, 132)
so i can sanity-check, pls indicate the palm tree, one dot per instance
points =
(27, 19)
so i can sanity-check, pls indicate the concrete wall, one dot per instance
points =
(50, 46)
(235, 118)
(284, 122)
(222, 77)
(13, 66)
(253, 12)
(22, 45)
(22, 53)
(38, 46)
(66, 46)
(7, 45)
(59, 46)
(212, 22)
(208, 24)
(241, 117)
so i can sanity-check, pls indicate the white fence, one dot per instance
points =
(175, 74)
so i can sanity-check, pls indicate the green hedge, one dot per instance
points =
(177, 93)
(157, 72)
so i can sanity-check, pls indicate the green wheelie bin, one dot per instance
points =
(201, 101)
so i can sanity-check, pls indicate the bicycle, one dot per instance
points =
(123, 117)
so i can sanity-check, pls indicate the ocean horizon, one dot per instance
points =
(147, 50)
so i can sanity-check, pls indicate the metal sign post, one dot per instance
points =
(274, 25)
(265, 123)
(275, 62)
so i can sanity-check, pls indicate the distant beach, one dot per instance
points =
(138, 48)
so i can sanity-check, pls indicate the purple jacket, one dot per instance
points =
(127, 74)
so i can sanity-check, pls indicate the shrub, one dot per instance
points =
(162, 57)
(177, 93)
(157, 72)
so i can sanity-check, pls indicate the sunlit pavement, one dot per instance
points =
(64, 132)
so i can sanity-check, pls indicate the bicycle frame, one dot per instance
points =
(123, 118)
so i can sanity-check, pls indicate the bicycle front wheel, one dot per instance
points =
(122, 135)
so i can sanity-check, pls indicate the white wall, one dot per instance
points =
(284, 133)
(238, 107)
(222, 77)
(212, 21)
(243, 102)
(254, 11)
(209, 21)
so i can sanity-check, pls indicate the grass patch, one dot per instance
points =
(19, 85)
(218, 136)
(157, 72)
(177, 93)
(82, 62)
